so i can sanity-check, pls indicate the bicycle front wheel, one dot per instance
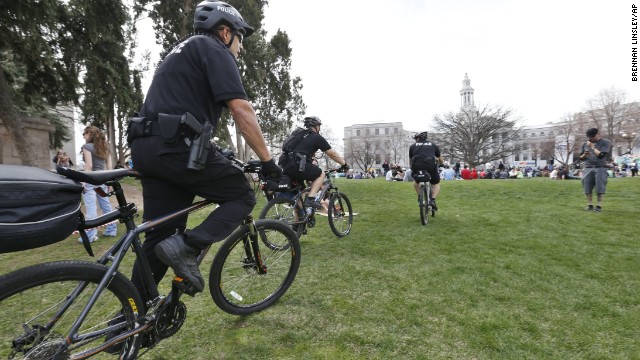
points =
(41, 303)
(340, 214)
(238, 284)
(284, 209)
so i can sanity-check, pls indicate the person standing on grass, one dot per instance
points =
(95, 154)
(595, 157)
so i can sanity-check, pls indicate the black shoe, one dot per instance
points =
(597, 208)
(432, 203)
(182, 258)
(588, 208)
(309, 202)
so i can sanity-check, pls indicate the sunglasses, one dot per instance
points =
(240, 36)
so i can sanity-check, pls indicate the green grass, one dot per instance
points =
(508, 269)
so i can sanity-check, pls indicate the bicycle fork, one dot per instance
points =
(252, 248)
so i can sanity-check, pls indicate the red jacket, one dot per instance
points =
(466, 174)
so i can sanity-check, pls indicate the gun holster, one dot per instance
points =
(303, 162)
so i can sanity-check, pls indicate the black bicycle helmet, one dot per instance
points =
(312, 121)
(210, 14)
(420, 135)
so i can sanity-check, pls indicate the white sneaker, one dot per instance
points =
(91, 239)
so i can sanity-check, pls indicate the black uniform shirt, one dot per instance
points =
(312, 143)
(197, 76)
(427, 148)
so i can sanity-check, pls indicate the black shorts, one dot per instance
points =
(310, 173)
(430, 167)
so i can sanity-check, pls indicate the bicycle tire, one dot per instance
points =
(339, 220)
(424, 204)
(235, 284)
(32, 296)
(285, 209)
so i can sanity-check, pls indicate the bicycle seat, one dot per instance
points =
(96, 177)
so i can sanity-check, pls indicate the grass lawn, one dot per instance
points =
(508, 269)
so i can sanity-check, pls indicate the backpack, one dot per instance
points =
(37, 207)
(294, 139)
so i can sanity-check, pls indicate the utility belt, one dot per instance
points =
(295, 158)
(423, 159)
(172, 129)
(594, 167)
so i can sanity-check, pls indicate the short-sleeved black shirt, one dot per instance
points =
(197, 76)
(427, 148)
(312, 143)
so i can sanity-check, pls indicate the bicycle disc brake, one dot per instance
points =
(168, 323)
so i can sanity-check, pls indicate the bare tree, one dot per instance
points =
(361, 152)
(479, 136)
(396, 144)
(609, 112)
(566, 132)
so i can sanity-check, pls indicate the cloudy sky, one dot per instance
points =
(379, 61)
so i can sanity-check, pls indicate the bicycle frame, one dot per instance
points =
(126, 213)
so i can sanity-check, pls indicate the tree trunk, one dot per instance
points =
(13, 124)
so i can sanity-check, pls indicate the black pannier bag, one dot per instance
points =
(37, 207)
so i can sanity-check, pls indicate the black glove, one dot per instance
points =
(271, 170)
(344, 168)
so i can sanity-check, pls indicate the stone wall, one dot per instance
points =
(38, 130)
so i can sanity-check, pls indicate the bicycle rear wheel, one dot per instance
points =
(340, 214)
(423, 198)
(236, 283)
(37, 315)
(285, 209)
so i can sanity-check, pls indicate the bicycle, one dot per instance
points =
(288, 207)
(77, 309)
(424, 197)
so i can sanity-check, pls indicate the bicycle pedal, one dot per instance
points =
(184, 286)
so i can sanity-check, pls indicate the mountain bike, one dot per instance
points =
(288, 207)
(424, 199)
(77, 309)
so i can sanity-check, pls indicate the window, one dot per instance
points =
(395, 131)
(386, 131)
(377, 131)
(377, 158)
(357, 132)
(542, 133)
(525, 157)
(368, 131)
(517, 157)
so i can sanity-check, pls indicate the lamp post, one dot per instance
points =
(630, 138)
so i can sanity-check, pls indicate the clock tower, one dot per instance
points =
(466, 95)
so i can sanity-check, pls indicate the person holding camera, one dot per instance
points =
(171, 142)
(594, 155)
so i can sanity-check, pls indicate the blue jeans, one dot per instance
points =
(90, 197)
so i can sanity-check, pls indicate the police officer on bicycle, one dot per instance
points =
(171, 148)
(423, 156)
(297, 163)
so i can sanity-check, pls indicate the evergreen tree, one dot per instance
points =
(38, 67)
